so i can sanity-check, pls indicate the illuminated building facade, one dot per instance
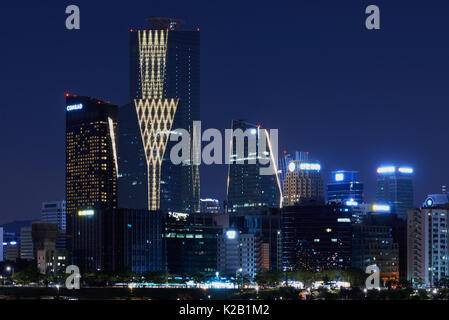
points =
(345, 188)
(380, 217)
(303, 183)
(10, 245)
(428, 239)
(165, 93)
(417, 248)
(395, 187)
(373, 245)
(54, 211)
(209, 205)
(285, 159)
(192, 241)
(91, 175)
(266, 226)
(26, 244)
(133, 240)
(247, 190)
(316, 237)
(244, 254)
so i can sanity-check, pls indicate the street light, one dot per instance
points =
(57, 287)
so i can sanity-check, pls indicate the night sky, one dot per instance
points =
(353, 98)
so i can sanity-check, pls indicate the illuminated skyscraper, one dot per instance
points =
(248, 191)
(345, 187)
(165, 93)
(91, 175)
(427, 239)
(285, 159)
(395, 188)
(303, 183)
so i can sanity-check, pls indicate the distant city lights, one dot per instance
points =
(381, 208)
(392, 169)
(231, 234)
(389, 169)
(352, 203)
(405, 170)
(339, 176)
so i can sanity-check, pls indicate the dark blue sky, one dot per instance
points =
(354, 98)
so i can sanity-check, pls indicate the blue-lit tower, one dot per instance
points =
(395, 188)
(345, 188)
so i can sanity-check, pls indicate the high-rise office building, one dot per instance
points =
(240, 253)
(345, 188)
(133, 240)
(10, 245)
(165, 95)
(395, 188)
(91, 175)
(303, 183)
(285, 159)
(427, 241)
(247, 189)
(266, 226)
(316, 237)
(373, 245)
(417, 248)
(54, 211)
(380, 217)
(209, 205)
(26, 244)
(192, 241)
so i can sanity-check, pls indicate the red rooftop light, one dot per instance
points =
(67, 94)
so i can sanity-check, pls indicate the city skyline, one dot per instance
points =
(332, 88)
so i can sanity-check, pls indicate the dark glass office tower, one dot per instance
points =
(316, 237)
(165, 69)
(133, 240)
(248, 191)
(192, 241)
(373, 244)
(345, 188)
(91, 175)
(395, 188)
